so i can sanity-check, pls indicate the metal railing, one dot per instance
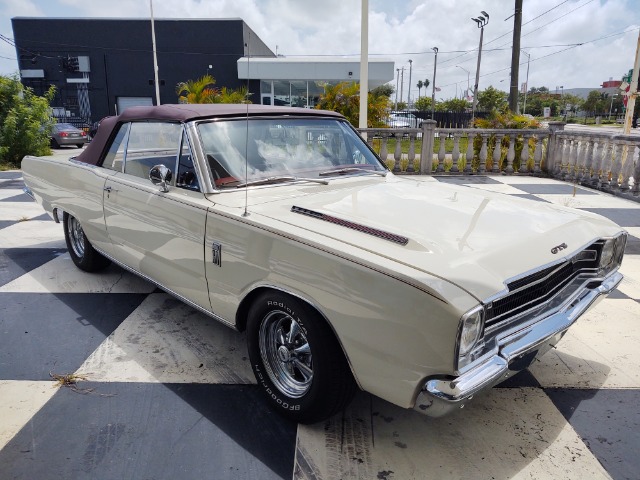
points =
(603, 161)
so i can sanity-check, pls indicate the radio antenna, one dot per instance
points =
(246, 136)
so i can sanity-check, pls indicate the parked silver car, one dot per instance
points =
(67, 134)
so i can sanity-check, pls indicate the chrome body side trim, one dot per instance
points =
(28, 191)
(515, 351)
(168, 290)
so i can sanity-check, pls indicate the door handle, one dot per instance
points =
(110, 189)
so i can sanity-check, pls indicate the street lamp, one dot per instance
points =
(409, 89)
(481, 22)
(468, 74)
(397, 82)
(433, 87)
(611, 106)
(526, 83)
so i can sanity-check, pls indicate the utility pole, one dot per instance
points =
(526, 84)
(401, 82)
(433, 87)
(155, 55)
(633, 92)
(409, 89)
(397, 85)
(515, 58)
(364, 65)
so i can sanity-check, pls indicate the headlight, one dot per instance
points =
(472, 324)
(608, 250)
(612, 252)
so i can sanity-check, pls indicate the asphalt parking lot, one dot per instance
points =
(164, 392)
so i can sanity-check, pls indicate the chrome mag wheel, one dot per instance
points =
(76, 236)
(286, 354)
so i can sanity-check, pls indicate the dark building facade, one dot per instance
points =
(100, 66)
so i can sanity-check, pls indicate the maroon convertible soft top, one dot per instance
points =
(184, 113)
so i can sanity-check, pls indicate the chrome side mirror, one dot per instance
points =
(160, 175)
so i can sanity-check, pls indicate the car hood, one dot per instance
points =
(470, 237)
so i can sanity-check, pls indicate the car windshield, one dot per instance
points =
(245, 152)
(64, 126)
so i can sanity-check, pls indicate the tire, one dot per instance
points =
(306, 386)
(54, 143)
(80, 249)
(79, 145)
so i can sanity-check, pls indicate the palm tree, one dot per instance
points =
(419, 85)
(197, 91)
(426, 84)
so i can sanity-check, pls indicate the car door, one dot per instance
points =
(158, 234)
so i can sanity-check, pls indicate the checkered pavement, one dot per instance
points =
(166, 392)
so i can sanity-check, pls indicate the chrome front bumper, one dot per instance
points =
(516, 352)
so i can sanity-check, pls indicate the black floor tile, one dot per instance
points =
(633, 246)
(609, 423)
(523, 379)
(22, 197)
(45, 332)
(553, 188)
(11, 175)
(153, 431)
(625, 217)
(528, 196)
(12, 183)
(15, 262)
(471, 179)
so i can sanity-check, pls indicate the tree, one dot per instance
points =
(419, 85)
(197, 91)
(454, 105)
(25, 121)
(426, 83)
(202, 90)
(402, 105)
(344, 98)
(491, 99)
(595, 102)
(423, 104)
(385, 90)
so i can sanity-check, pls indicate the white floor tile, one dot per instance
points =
(166, 341)
(506, 433)
(590, 201)
(20, 210)
(19, 402)
(599, 351)
(62, 276)
(33, 234)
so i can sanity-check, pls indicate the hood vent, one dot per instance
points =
(354, 226)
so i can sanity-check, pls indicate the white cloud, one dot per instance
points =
(404, 29)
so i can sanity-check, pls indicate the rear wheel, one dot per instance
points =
(79, 145)
(80, 249)
(296, 359)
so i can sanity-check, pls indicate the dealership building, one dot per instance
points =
(100, 66)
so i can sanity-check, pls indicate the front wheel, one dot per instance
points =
(297, 360)
(80, 249)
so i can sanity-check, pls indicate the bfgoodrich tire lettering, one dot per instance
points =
(296, 359)
(80, 249)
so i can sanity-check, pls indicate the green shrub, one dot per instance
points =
(25, 121)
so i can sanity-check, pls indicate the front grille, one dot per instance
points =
(541, 286)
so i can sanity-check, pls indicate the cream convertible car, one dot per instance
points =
(282, 222)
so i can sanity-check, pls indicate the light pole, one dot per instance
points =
(155, 55)
(611, 106)
(433, 87)
(481, 22)
(409, 89)
(401, 82)
(468, 74)
(397, 82)
(526, 84)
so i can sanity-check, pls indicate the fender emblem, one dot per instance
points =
(557, 248)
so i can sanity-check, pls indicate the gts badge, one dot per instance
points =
(216, 251)
(558, 248)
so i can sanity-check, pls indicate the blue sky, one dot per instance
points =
(400, 30)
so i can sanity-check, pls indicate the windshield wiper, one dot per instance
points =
(345, 170)
(281, 179)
